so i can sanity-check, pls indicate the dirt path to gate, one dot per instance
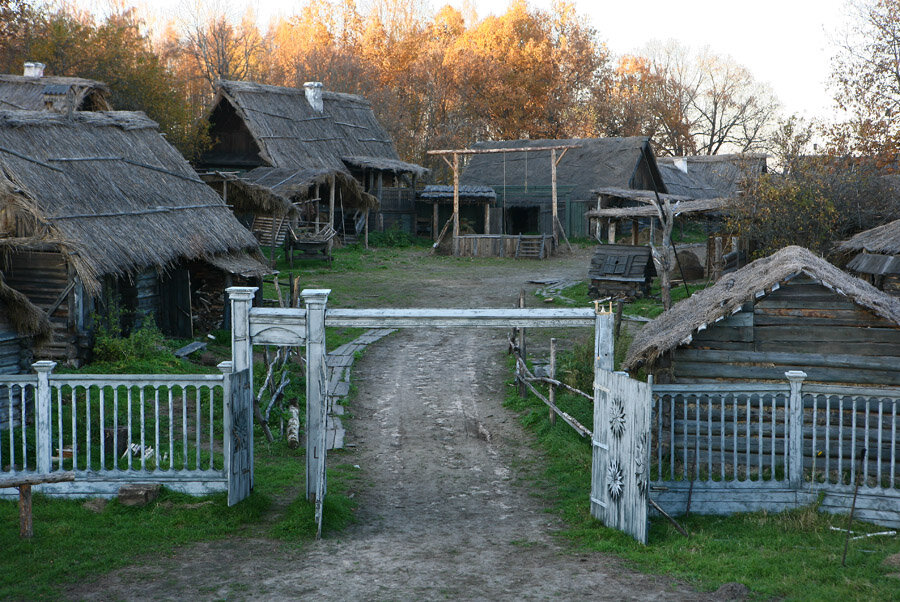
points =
(447, 505)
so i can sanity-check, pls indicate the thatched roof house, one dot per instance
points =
(682, 181)
(38, 93)
(522, 180)
(316, 134)
(790, 311)
(878, 256)
(98, 197)
(724, 173)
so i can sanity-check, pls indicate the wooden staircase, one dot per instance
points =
(531, 247)
(263, 230)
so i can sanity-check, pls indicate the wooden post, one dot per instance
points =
(366, 230)
(487, 218)
(455, 205)
(552, 371)
(331, 210)
(435, 224)
(634, 232)
(795, 428)
(604, 346)
(43, 443)
(380, 194)
(554, 200)
(718, 261)
(620, 306)
(315, 301)
(241, 348)
(26, 528)
(521, 342)
(612, 231)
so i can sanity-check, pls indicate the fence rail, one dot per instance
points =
(114, 429)
(749, 446)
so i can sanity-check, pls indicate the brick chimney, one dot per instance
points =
(314, 95)
(34, 69)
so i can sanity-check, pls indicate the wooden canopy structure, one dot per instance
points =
(455, 167)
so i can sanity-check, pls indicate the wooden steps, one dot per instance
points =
(531, 247)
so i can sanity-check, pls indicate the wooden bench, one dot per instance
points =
(24, 484)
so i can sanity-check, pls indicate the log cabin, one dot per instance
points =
(98, 210)
(789, 311)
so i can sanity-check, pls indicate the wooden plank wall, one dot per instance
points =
(801, 326)
(43, 276)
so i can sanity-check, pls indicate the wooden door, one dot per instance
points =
(621, 460)
(175, 317)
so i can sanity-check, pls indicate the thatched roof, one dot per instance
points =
(111, 192)
(18, 92)
(275, 190)
(467, 194)
(723, 173)
(676, 326)
(883, 239)
(27, 319)
(290, 133)
(680, 204)
(598, 162)
(690, 184)
(877, 265)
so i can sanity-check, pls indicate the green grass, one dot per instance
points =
(793, 555)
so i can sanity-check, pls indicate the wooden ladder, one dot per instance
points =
(530, 247)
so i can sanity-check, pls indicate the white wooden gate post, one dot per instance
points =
(227, 419)
(795, 410)
(316, 382)
(241, 350)
(603, 363)
(43, 443)
(604, 350)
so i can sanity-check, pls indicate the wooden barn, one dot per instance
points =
(331, 153)
(476, 204)
(523, 180)
(790, 311)
(34, 91)
(98, 210)
(622, 271)
(877, 257)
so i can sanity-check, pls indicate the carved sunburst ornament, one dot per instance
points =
(617, 418)
(640, 466)
(615, 480)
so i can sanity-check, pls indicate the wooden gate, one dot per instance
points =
(620, 473)
(238, 428)
(295, 327)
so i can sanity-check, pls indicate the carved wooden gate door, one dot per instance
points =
(621, 458)
(240, 436)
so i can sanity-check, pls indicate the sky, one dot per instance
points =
(785, 43)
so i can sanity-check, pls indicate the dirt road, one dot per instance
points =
(447, 508)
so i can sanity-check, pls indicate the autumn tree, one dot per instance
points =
(866, 76)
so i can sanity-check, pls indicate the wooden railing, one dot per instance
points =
(114, 429)
(728, 447)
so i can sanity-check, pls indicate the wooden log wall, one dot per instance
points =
(43, 277)
(801, 326)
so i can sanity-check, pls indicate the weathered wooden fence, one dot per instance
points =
(740, 447)
(110, 430)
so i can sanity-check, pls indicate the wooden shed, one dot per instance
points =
(878, 256)
(97, 206)
(790, 311)
(311, 131)
(623, 271)
(522, 180)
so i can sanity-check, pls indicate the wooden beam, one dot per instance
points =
(331, 211)
(455, 205)
(488, 151)
(434, 221)
(487, 218)
(553, 199)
